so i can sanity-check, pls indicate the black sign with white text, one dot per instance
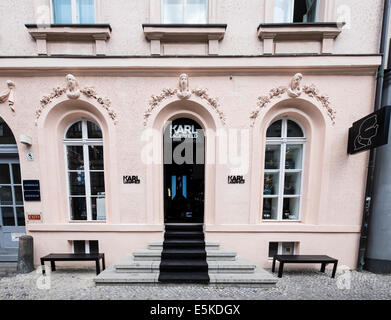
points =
(31, 190)
(370, 132)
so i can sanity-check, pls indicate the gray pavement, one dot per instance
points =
(71, 284)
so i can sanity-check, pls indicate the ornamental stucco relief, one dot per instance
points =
(73, 92)
(183, 92)
(9, 95)
(294, 90)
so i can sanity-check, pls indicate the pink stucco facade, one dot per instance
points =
(237, 73)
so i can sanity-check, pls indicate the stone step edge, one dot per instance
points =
(158, 245)
(254, 280)
(155, 252)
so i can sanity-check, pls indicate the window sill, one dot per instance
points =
(325, 33)
(211, 33)
(98, 33)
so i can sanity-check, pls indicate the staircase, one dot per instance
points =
(224, 268)
(183, 258)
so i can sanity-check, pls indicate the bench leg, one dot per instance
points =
(323, 268)
(43, 266)
(334, 270)
(53, 265)
(274, 264)
(103, 263)
(97, 266)
(280, 269)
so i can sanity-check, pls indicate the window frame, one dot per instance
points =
(86, 245)
(280, 245)
(184, 4)
(283, 141)
(75, 18)
(85, 142)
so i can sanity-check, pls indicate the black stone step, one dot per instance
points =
(182, 235)
(184, 227)
(184, 277)
(181, 244)
(183, 254)
(189, 265)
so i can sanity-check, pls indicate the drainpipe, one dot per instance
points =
(372, 156)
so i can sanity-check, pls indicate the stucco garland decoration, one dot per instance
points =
(73, 92)
(294, 91)
(9, 95)
(183, 92)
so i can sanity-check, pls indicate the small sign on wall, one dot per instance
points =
(15, 236)
(131, 180)
(31, 190)
(34, 216)
(236, 180)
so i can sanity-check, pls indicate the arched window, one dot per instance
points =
(285, 142)
(85, 171)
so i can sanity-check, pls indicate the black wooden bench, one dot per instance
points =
(283, 259)
(73, 257)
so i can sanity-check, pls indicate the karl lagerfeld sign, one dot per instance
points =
(370, 132)
(183, 132)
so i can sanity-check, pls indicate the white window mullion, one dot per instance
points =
(87, 180)
(75, 16)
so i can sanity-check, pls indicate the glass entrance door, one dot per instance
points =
(12, 221)
(184, 172)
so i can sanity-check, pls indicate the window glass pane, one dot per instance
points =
(270, 206)
(20, 216)
(18, 196)
(8, 216)
(172, 11)
(62, 11)
(275, 130)
(79, 246)
(96, 157)
(86, 11)
(75, 131)
(291, 209)
(94, 246)
(271, 182)
(6, 136)
(98, 206)
(77, 183)
(288, 248)
(6, 196)
(78, 208)
(16, 173)
(196, 11)
(75, 157)
(283, 11)
(93, 130)
(97, 183)
(273, 249)
(310, 16)
(272, 156)
(294, 130)
(5, 174)
(292, 183)
(293, 156)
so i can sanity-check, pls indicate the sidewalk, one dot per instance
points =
(74, 284)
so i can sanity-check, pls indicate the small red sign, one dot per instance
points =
(34, 217)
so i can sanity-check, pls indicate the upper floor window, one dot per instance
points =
(73, 11)
(286, 11)
(185, 11)
(85, 171)
(284, 156)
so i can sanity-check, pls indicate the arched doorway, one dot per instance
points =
(184, 171)
(12, 221)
